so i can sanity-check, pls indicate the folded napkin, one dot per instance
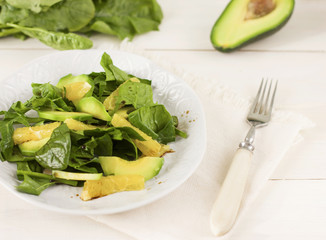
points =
(184, 213)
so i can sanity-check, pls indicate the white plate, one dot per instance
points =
(168, 89)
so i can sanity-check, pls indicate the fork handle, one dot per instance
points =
(226, 206)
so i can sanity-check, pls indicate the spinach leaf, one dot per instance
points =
(125, 149)
(55, 154)
(8, 31)
(17, 156)
(131, 133)
(46, 96)
(20, 36)
(18, 107)
(70, 15)
(77, 138)
(22, 173)
(9, 14)
(103, 88)
(33, 185)
(15, 114)
(33, 5)
(82, 151)
(33, 174)
(100, 144)
(33, 169)
(142, 80)
(85, 165)
(155, 121)
(135, 94)
(102, 27)
(28, 167)
(54, 21)
(122, 144)
(181, 133)
(31, 166)
(73, 183)
(175, 121)
(7, 142)
(112, 72)
(126, 18)
(104, 146)
(57, 40)
(87, 169)
(116, 133)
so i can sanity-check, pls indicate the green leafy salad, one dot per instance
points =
(56, 22)
(85, 128)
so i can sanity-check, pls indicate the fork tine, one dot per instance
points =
(267, 98)
(254, 105)
(272, 101)
(260, 104)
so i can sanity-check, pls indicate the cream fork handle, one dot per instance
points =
(226, 206)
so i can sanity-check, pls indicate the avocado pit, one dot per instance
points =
(259, 8)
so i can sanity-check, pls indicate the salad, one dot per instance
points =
(102, 131)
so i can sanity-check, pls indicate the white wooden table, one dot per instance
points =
(293, 202)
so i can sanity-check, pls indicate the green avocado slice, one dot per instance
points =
(62, 116)
(244, 21)
(148, 167)
(31, 147)
(94, 107)
(72, 79)
(76, 176)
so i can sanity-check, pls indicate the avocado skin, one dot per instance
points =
(258, 37)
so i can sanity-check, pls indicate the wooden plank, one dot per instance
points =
(20, 219)
(284, 210)
(187, 25)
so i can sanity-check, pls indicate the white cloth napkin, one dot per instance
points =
(184, 214)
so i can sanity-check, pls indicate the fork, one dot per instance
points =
(226, 206)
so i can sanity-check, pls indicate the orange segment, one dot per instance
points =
(77, 125)
(77, 90)
(111, 184)
(26, 134)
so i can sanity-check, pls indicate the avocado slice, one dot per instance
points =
(75, 125)
(76, 176)
(71, 79)
(61, 116)
(244, 21)
(94, 107)
(148, 167)
(31, 147)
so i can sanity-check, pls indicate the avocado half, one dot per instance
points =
(245, 21)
